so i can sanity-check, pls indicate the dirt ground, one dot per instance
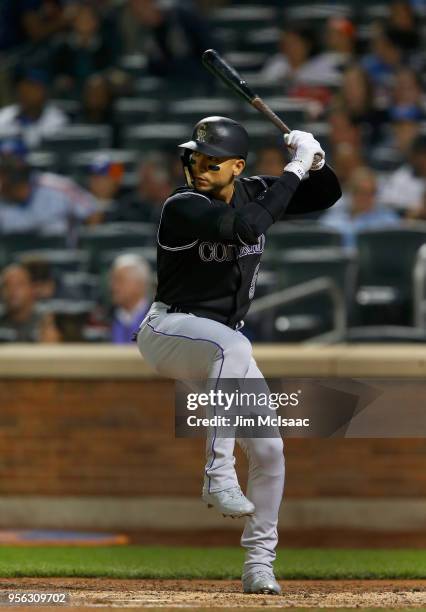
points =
(221, 594)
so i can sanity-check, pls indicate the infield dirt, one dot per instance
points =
(220, 594)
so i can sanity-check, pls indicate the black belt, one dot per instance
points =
(178, 308)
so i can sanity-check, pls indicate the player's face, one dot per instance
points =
(213, 173)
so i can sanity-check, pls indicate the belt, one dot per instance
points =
(178, 308)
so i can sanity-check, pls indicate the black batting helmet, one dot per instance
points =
(219, 137)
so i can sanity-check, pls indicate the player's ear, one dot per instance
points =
(239, 166)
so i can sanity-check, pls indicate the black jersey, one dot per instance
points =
(208, 251)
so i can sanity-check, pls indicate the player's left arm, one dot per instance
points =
(318, 191)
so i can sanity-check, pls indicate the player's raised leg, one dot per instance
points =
(186, 347)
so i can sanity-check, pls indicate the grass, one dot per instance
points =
(163, 562)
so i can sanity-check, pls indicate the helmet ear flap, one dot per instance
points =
(186, 163)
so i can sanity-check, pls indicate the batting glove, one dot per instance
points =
(307, 153)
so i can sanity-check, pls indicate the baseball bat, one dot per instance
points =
(213, 61)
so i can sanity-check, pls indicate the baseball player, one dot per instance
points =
(211, 236)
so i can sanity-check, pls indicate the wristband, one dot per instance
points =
(297, 167)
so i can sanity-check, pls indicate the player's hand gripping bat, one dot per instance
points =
(227, 73)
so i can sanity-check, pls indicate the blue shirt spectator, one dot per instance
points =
(363, 211)
(29, 21)
(40, 202)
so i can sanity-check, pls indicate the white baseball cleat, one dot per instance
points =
(230, 502)
(262, 582)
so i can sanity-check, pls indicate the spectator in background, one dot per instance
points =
(418, 214)
(45, 285)
(296, 60)
(356, 98)
(33, 116)
(405, 189)
(154, 185)
(364, 210)
(339, 42)
(403, 23)
(385, 58)
(395, 148)
(172, 35)
(97, 101)
(21, 317)
(29, 21)
(346, 158)
(407, 91)
(130, 283)
(104, 183)
(65, 324)
(98, 104)
(82, 52)
(40, 201)
(344, 131)
(270, 160)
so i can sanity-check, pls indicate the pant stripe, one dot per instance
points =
(217, 381)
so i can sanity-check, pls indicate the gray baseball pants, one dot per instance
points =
(187, 347)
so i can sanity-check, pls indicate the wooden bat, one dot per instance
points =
(227, 73)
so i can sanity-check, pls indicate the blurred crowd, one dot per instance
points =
(357, 73)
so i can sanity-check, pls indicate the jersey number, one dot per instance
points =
(253, 282)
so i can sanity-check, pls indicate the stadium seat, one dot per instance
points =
(43, 161)
(293, 110)
(96, 334)
(11, 244)
(7, 335)
(245, 62)
(261, 131)
(262, 40)
(154, 136)
(74, 138)
(150, 87)
(80, 162)
(191, 110)
(305, 319)
(133, 63)
(265, 88)
(391, 334)
(80, 286)
(386, 267)
(295, 266)
(114, 236)
(226, 38)
(419, 289)
(319, 11)
(128, 111)
(69, 106)
(243, 17)
(60, 260)
(284, 235)
(309, 315)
